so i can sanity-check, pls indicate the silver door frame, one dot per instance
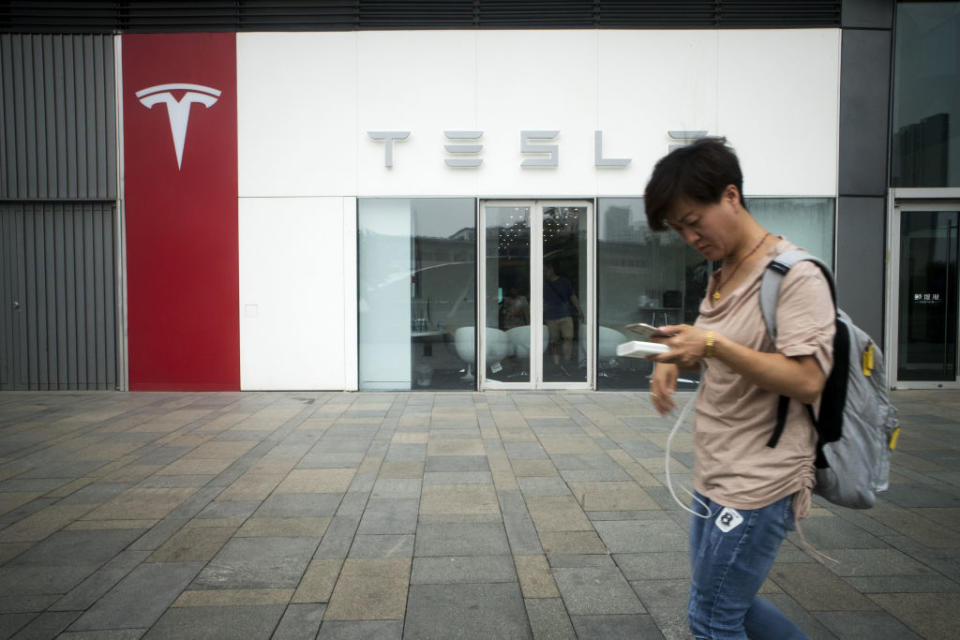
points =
(536, 295)
(123, 345)
(901, 200)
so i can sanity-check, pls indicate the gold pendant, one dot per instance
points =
(716, 295)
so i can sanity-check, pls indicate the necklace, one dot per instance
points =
(716, 289)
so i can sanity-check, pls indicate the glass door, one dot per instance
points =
(926, 287)
(536, 279)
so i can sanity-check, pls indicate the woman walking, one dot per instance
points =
(748, 495)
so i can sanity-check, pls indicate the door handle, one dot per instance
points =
(16, 305)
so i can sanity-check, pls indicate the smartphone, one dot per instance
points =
(645, 330)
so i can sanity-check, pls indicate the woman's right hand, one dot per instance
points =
(663, 383)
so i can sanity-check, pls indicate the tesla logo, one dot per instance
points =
(178, 111)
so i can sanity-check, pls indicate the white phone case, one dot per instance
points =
(638, 349)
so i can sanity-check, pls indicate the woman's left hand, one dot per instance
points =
(686, 344)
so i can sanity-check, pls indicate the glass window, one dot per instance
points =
(926, 102)
(656, 278)
(806, 222)
(417, 292)
(927, 336)
(508, 292)
(642, 276)
(564, 291)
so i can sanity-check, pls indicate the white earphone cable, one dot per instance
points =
(676, 427)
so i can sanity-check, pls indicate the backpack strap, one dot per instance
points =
(770, 284)
(773, 277)
(782, 404)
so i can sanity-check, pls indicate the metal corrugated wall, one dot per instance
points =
(58, 192)
(58, 130)
(58, 273)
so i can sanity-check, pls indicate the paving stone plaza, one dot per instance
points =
(422, 515)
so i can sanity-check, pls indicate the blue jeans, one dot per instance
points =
(731, 554)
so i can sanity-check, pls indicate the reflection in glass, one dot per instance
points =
(656, 278)
(926, 102)
(416, 283)
(642, 276)
(806, 222)
(564, 287)
(927, 348)
(508, 293)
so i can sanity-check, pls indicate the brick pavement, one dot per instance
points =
(421, 515)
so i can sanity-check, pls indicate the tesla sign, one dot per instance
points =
(464, 147)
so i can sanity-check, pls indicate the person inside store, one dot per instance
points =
(514, 310)
(747, 495)
(560, 303)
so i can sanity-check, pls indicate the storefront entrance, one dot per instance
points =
(923, 294)
(536, 297)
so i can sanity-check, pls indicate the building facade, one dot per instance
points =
(447, 195)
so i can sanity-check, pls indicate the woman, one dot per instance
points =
(748, 495)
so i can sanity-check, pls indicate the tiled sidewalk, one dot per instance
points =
(413, 515)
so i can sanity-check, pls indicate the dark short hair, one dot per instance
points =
(699, 172)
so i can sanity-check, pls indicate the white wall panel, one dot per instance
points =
(308, 100)
(537, 80)
(423, 83)
(652, 82)
(779, 106)
(293, 283)
(297, 114)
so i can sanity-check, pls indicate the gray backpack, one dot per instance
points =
(857, 425)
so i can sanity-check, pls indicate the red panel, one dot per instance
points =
(182, 254)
